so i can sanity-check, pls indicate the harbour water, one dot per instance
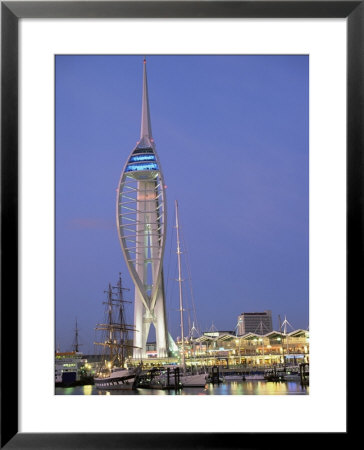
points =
(227, 388)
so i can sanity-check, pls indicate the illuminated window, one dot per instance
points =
(135, 167)
(142, 158)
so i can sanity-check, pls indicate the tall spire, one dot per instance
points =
(142, 234)
(146, 128)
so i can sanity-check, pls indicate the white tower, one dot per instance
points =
(141, 223)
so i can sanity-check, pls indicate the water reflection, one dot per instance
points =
(228, 388)
(253, 388)
(87, 390)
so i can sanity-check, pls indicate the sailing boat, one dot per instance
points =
(113, 374)
(187, 379)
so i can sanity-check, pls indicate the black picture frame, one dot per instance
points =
(11, 12)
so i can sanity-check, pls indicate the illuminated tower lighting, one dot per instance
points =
(141, 223)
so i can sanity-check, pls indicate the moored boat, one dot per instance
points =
(193, 380)
(250, 375)
(239, 377)
(174, 377)
(282, 374)
(116, 378)
(113, 374)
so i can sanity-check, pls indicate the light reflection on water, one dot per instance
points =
(228, 388)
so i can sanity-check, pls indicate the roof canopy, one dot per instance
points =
(251, 336)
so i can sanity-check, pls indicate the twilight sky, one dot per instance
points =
(232, 136)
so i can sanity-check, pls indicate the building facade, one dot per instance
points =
(250, 350)
(255, 322)
(141, 224)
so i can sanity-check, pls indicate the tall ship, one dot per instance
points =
(115, 342)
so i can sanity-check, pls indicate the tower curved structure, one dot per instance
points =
(141, 222)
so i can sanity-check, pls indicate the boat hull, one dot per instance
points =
(282, 376)
(292, 377)
(165, 382)
(114, 384)
(119, 379)
(193, 380)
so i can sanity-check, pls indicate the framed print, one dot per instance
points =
(60, 52)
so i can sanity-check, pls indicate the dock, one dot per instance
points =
(159, 378)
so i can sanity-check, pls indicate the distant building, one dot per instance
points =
(255, 322)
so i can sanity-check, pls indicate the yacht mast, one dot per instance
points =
(261, 332)
(180, 289)
(76, 343)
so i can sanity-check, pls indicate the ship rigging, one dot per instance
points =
(116, 330)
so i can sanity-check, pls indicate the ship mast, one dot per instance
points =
(116, 330)
(76, 343)
(284, 325)
(180, 289)
(123, 338)
(261, 333)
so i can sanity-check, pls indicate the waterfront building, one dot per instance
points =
(255, 322)
(249, 350)
(141, 224)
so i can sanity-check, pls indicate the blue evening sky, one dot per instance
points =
(232, 136)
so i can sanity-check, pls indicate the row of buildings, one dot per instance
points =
(250, 349)
(254, 344)
(224, 348)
